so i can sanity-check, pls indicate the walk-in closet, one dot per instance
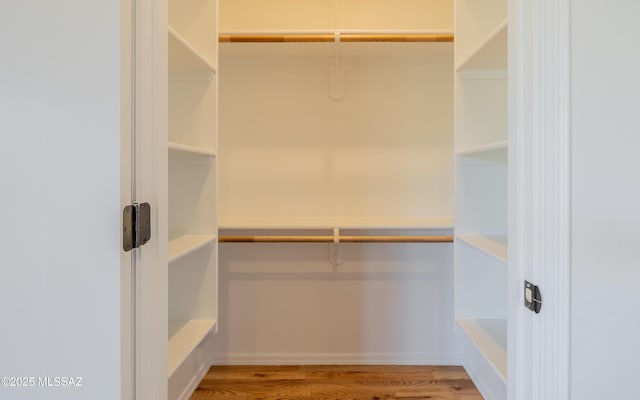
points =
(329, 187)
(319, 155)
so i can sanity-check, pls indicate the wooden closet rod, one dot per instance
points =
(326, 37)
(342, 239)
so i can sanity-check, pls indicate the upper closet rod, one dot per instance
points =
(330, 37)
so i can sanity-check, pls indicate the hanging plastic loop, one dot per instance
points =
(335, 249)
(336, 74)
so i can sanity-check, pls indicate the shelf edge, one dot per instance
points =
(341, 31)
(204, 240)
(493, 248)
(204, 328)
(311, 226)
(503, 144)
(498, 30)
(191, 149)
(486, 344)
(185, 43)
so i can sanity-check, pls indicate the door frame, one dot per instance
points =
(144, 179)
(539, 197)
(126, 259)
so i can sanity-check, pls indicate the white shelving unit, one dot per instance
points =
(193, 114)
(481, 259)
(344, 223)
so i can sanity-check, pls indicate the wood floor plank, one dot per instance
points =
(346, 391)
(336, 382)
(257, 375)
(350, 372)
(450, 372)
(261, 388)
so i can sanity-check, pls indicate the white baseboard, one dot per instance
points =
(337, 359)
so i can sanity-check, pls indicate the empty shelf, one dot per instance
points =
(496, 152)
(188, 244)
(184, 337)
(191, 149)
(491, 54)
(492, 245)
(337, 222)
(183, 56)
(489, 336)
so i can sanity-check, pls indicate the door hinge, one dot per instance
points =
(532, 297)
(136, 225)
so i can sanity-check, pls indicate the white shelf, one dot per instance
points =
(191, 149)
(184, 337)
(187, 244)
(184, 56)
(276, 32)
(492, 245)
(491, 54)
(489, 336)
(492, 152)
(330, 223)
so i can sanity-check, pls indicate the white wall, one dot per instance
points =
(280, 15)
(605, 197)
(60, 201)
(384, 152)
(286, 304)
(290, 155)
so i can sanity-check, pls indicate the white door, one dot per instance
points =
(65, 175)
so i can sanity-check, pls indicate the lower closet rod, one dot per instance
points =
(324, 37)
(330, 239)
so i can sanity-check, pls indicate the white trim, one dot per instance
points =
(151, 177)
(552, 159)
(539, 351)
(519, 336)
(336, 359)
(126, 334)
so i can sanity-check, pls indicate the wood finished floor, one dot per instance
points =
(336, 382)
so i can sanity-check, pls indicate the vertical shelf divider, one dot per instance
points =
(481, 259)
(193, 225)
